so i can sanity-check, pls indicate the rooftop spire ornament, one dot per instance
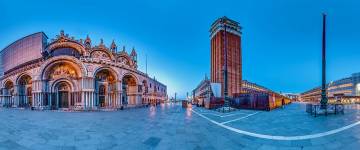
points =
(123, 48)
(87, 42)
(113, 47)
(101, 41)
(61, 32)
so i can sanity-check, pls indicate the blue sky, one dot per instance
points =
(281, 38)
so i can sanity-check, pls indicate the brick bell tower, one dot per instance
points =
(225, 36)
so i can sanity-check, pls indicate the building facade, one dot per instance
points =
(250, 87)
(293, 96)
(65, 73)
(225, 36)
(346, 90)
(312, 95)
(258, 95)
(202, 93)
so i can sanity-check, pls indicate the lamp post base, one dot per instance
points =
(323, 102)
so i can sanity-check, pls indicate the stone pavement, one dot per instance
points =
(171, 127)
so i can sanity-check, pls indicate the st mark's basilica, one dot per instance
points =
(70, 74)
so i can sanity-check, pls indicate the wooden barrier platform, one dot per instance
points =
(315, 109)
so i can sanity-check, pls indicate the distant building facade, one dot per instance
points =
(225, 34)
(346, 89)
(202, 93)
(250, 87)
(312, 95)
(65, 73)
(254, 96)
(292, 96)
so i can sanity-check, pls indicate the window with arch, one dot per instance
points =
(139, 88)
(65, 51)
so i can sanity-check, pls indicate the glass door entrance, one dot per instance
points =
(102, 92)
(63, 99)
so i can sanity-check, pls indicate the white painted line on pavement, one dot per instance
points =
(213, 114)
(239, 118)
(234, 114)
(275, 137)
(222, 116)
(219, 114)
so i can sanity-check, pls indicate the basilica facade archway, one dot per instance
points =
(71, 74)
(130, 90)
(62, 95)
(106, 88)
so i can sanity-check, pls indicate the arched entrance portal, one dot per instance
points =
(129, 90)
(62, 75)
(25, 91)
(105, 83)
(9, 94)
(63, 99)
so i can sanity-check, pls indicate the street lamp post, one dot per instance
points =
(324, 99)
(175, 97)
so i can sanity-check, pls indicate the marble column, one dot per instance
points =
(16, 96)
(115, 100)
(50, 100)
(33, 99)
(83, 99)
(41, 103)
(119, 98)
(91, 99)
(57, 100)
(88, 100)
(110, 100)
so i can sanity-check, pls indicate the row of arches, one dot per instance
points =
(62, 86)
(23, 94)
(63, 93)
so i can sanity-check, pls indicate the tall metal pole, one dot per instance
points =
(324, 99)
(226, 101)
(187, 96)
(146, 63)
